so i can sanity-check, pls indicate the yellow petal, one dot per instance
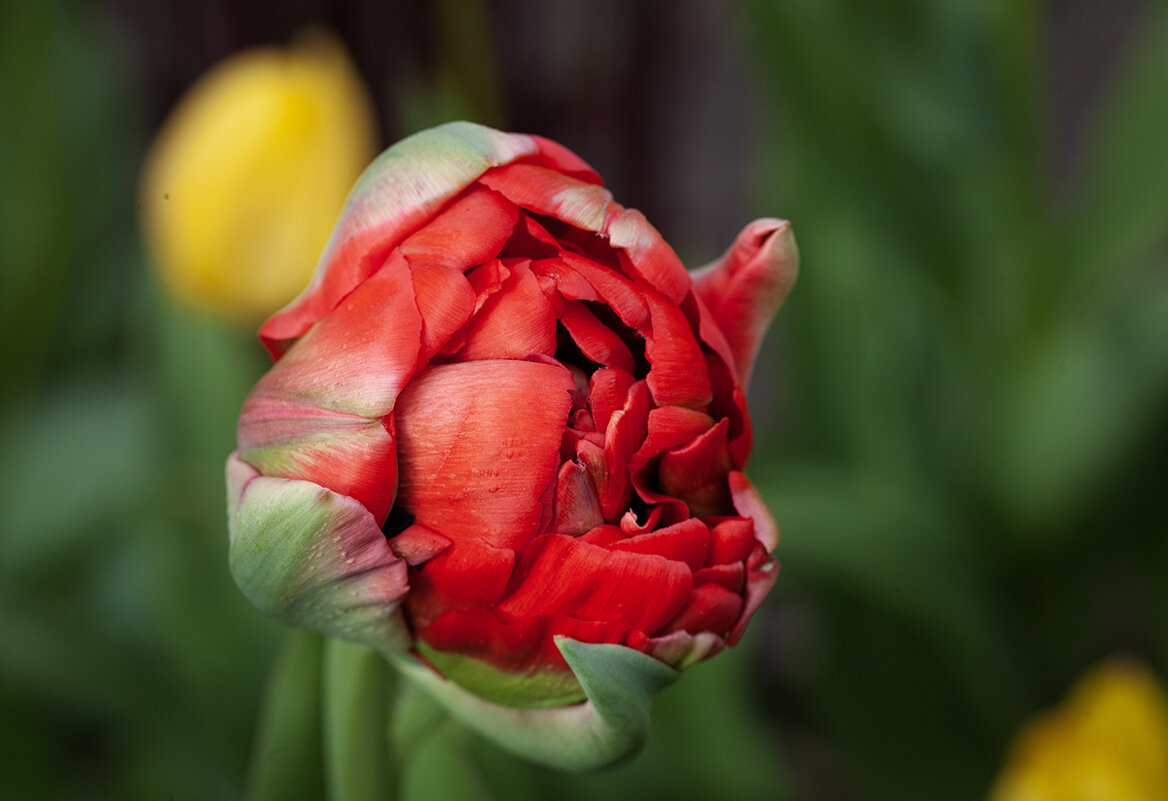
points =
(1107, 742)
(247, 177)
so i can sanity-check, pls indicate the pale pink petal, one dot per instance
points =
(468, 232)
(514, 323)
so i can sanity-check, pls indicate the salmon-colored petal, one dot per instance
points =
(617, 291)
(446, 302)
(745, 287)
(596, 341)
(543, 191)
(418, 544)
(478, 444)
(569, 283)
(515, 322)
(649, 255)
(348, 454)
(562, 575)
(316, 415)
(468, 232)
(399, 192)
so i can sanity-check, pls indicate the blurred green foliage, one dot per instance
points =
(972, 375)
(979, 376)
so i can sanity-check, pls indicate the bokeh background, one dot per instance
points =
(961, 411)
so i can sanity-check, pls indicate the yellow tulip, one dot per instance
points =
(1107, 742)
(247, 177)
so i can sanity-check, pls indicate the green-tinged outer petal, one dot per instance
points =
(402, 189)
(611, 725)
(315, 559)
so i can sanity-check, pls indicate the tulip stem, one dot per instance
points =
(358, 687)
(285, 764)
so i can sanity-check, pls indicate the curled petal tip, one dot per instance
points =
(747, 285)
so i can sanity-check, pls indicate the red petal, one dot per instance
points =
(670, 427)
(623, 436)
(471, 573)
(697, 473)
(609, 389)
(712, 607)
(418, 544)
(403, 188)
(304, 418)
(745, 288)
(677, 372)
(562, 575)
(688, 542)
(733, 541)
(618, 291)
(761, 570)
(569, 283)
(577, 507)
(544, 191)
(348, 454)
(515, 322)
(596, 340)
(732, 577)
(446, 302)
(749, 503)
(478, 443)
(649, 255)
(559, 158)
(468, 232)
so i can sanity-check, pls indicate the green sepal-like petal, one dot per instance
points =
(610, 726)
(315, 559)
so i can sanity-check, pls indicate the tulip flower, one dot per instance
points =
(245, 180)
(503, 443)
(1107, 742)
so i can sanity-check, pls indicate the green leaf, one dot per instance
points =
(612, 725)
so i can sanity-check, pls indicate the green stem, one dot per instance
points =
(358, 687)
(286, 763)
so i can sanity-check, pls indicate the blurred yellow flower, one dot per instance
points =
(247, 177)
(1107, 742)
